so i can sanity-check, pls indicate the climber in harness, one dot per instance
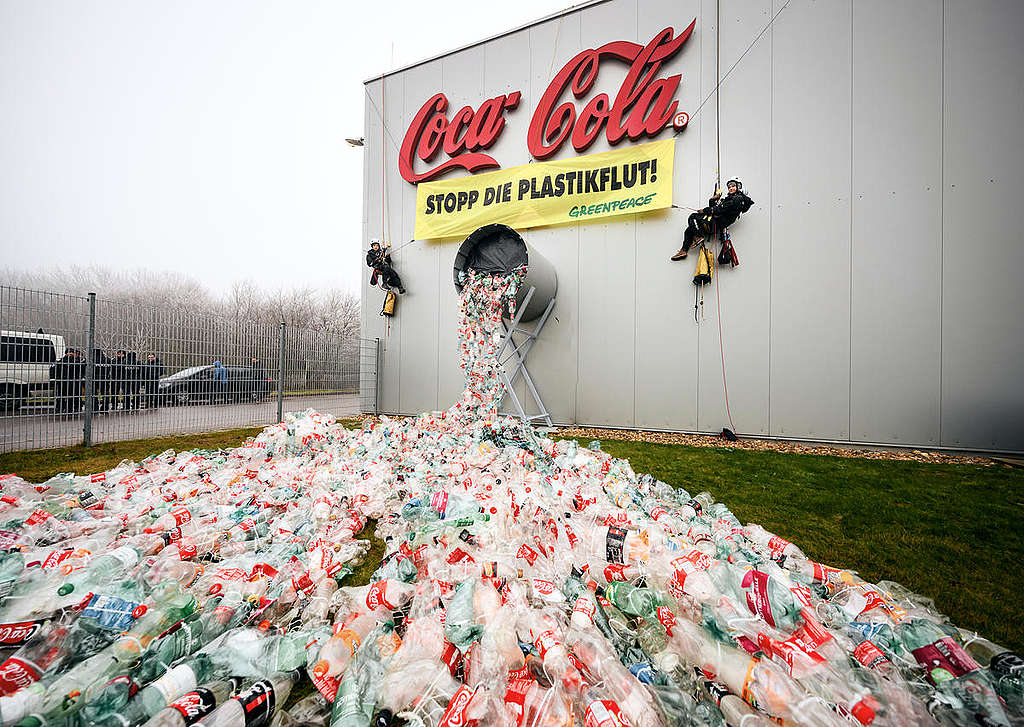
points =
(379, 259)
(716, 217)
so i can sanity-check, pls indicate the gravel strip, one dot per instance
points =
(770, 445)
(759, 445)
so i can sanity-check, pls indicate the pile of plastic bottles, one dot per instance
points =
(526, 582)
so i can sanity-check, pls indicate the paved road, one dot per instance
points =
(37, 431)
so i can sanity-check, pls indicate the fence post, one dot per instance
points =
(280, 376)
(376, 378)
(90, 374)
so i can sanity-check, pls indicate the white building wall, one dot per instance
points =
(878, 296)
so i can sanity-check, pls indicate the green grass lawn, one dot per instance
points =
(37, 465)
(949, 532)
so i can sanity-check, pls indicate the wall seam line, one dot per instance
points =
(849, 374)
(700, 167)
(636, 307)
(771, 202)
(942, 202)
(437, 316)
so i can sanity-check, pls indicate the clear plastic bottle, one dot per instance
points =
(255, 705)
(181, 679)
(192, 706)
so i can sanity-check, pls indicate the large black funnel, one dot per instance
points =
(498, 248)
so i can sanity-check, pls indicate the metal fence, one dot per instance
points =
(84, 370)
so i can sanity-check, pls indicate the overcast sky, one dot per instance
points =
(204, 136)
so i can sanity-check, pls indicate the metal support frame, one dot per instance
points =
(517, 356)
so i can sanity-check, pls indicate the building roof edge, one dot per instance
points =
(571, 9)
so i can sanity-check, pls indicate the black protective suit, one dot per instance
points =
(258, 384)
(126, 379)
(67, 377)
(718, 215)
(105, 384)
(151, 373)
(380, 261)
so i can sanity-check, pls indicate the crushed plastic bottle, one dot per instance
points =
(525, 582)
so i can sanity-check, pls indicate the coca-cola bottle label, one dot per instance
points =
(258, 703)
(527, 553)
(943, 660)
(755, 583)
(326, 685)
(717, 690)
(13, 634)
(515, 698)
(605, 713)
(545, 642)
(455, 715)
(585, 607)
(614, 542)
(869, 655)
(15, 674)
(614, 572)
(375, 596)
(194, 706)
(776, 546)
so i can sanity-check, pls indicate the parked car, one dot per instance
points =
(197, 385)
(25, 360)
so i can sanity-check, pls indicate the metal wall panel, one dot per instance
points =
(811, 138)
(607, 321)
(417, 263)
(742, 294)
(897, 221)
(983, 254)
(607, 258)
(878, 142)
(553, 362)
(390, 228)
(666, 338)
(465, 84)
(373, 325)
(508, 69)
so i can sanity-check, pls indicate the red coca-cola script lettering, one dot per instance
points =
(644, 104)
(460, 137)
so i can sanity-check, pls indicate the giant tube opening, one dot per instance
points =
(498, 249)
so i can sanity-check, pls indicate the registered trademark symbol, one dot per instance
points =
(681, 120)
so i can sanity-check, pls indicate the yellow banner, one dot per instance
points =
(620, 182)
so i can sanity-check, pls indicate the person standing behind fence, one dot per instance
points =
(152, 370)
(119, 380)
(104, 378)
(220, 382)
(258, 380)
(67, 377)
(133, 381)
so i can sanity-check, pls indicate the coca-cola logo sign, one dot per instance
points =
(644, 106)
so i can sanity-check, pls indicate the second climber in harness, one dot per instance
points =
(718, 215)
(379, 259)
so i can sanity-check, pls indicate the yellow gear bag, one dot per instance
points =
(705, 267)
(388, 309)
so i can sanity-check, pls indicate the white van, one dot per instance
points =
(25, 360)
